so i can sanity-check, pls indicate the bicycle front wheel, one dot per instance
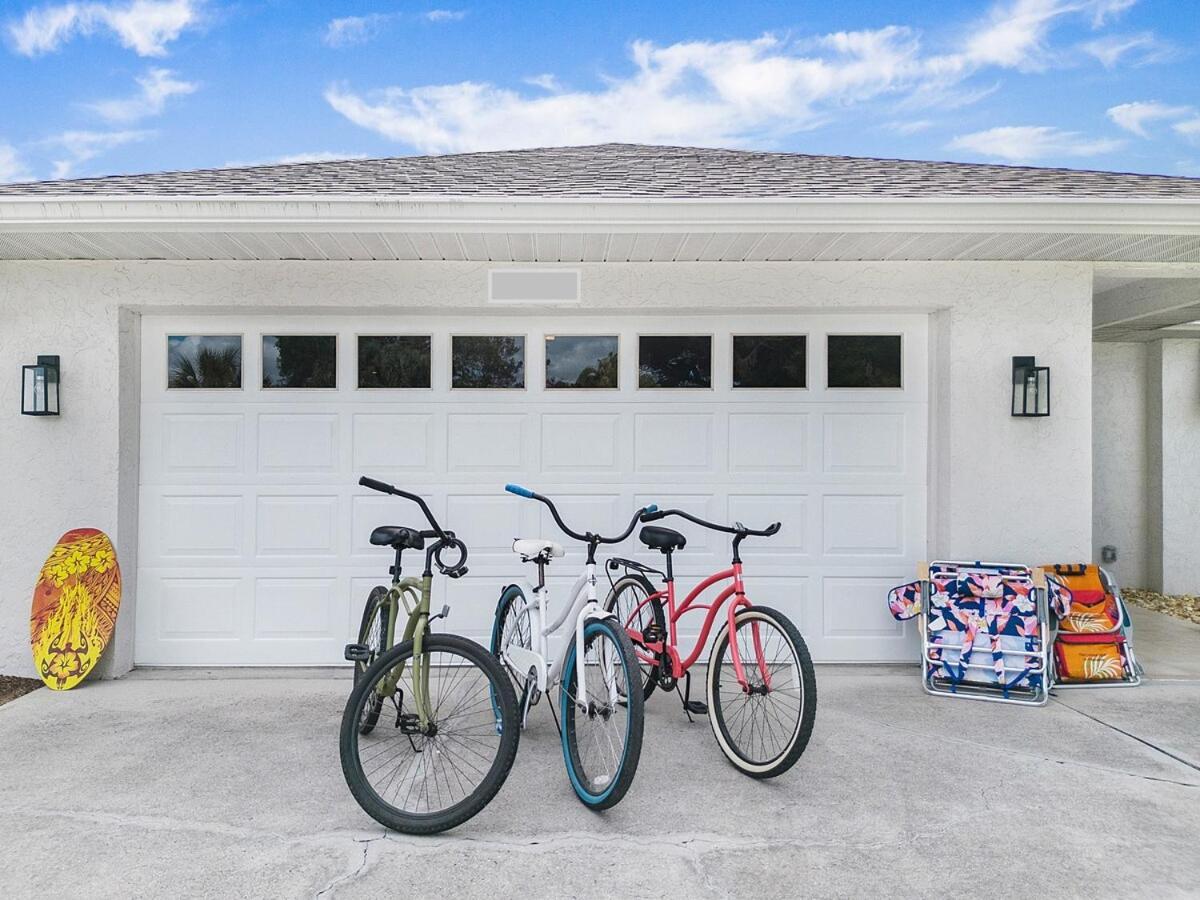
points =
(763, 728)
(372, 634)
(423, 778)
(602, 730)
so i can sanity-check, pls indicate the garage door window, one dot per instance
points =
(487, 362)
(675, 361)
(394, 361)
(204, 361)
(299, 361)
(582, 361)
(770, 361)
(864, 361)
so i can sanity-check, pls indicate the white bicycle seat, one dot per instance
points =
(529, 548)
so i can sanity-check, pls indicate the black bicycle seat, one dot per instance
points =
(665, 539)
(397, 537)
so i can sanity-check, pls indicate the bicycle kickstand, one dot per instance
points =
(689, 705)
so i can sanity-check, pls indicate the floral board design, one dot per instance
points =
(75, 607)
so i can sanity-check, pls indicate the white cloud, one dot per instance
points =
(1143, 49)
(157, 86)
(1026, 143)
(144, 26)
(1189, 128)
(445, 15)
(351, 30)
(81, 146)
(1015, 34)
(1135, 116)
(734, 93)
(12, 168)
(317, 156)
(911, 126)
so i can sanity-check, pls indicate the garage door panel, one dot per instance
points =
(673, 442)
(479, 442)
(768, 442)
(254, 534)
(296, 525)
(396, 442)
(199, 525)
(298, 442)
(581, 441)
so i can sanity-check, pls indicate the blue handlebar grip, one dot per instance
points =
(518, 490)
(653, 507)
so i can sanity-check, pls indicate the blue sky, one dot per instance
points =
(96, 87)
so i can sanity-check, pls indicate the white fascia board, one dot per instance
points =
(34, 213)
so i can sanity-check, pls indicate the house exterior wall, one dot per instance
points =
(1001, 488)
(1120, 447)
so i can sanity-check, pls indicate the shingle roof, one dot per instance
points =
(622, 171)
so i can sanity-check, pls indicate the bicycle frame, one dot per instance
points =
(669, 647)
(583, 607)
(415, 594)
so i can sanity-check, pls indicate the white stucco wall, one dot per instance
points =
(1120, 476)
(1174, 418)
(1000, 487)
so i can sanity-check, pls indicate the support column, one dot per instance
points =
(1173, 450)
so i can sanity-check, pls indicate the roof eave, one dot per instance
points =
(382, 212)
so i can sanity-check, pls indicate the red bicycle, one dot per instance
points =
(761, 688)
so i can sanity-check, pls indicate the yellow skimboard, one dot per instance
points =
(75, 607)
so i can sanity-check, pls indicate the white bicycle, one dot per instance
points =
(602, 719)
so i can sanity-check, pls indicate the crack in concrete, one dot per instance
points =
(358, 871)
(1128, 734)
(1050, 759)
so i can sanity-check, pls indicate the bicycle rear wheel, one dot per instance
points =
(602, 741)
(372, 634)
(627, 601)
(513, 627)
(425, 780)
(764, 730)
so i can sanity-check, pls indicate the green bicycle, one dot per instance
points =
(430, 730)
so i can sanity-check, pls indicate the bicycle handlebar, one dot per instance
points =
(384, 488)
(587, 537)
(736, 528)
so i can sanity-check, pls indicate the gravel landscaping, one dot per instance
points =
(1181, 606)
(12, 687)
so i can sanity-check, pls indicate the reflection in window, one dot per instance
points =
(393, 361)
(586, 361)
(674, 361)
(863, 360)
(487, 362)
(769, 361)
(299, 361)
(204, 361)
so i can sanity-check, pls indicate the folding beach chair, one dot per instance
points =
(985, 629)
(1094, 644)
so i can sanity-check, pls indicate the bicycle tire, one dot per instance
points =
(508, 731)
(616, 788)
(375, 605)
(627, 582)
(506, 606)
(731, 744)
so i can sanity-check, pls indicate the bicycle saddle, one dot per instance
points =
(397, 536)
(531, 548)
(665, 539)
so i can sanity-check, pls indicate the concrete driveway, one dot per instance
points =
(228, 785)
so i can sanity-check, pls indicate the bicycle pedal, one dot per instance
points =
(696, 706)
(358, 653)
(408, 723)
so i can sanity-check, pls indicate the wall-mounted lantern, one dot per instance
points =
(39, 387)
(1030, 388)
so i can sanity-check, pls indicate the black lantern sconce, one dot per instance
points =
(1030, 388)
(39, 387)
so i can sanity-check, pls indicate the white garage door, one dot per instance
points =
(254, 532)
